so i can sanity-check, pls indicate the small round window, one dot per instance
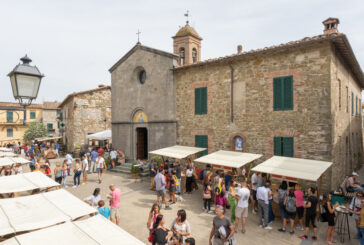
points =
(142, 76)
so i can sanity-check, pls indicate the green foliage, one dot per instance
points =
(77, 147)
(135, 169)
(35, 130)
(107, 161)
(158, 160)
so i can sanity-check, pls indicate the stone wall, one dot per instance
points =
(91, 114)
(50, 116)
(347, 150)
(309, 122)
(155, 98)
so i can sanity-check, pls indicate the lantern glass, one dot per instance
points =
(13, 86)
(27, 85)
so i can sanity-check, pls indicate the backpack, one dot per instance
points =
(202, 174)
(291, 205)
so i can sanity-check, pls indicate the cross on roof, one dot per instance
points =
(187, 14)
(138, 33)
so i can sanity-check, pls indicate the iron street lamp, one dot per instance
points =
(25, 81)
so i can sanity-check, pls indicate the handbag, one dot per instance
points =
(207, 194)
(151, 237)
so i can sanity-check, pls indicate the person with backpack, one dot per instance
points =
(173, 182)
(311, 205)
(207, 195)
(282, 191)
(290, 204)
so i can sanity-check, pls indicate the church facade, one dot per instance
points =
(299, 99)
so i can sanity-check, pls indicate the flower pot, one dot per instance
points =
(134, 176)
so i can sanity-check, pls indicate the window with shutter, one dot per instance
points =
(201, 101)
(283, 93)
(283, 146)
(278, 146)
(32, 115)
(287, 146)
(9, 116)
(352, 103)
(356, 105)
(9, 132)
(202, 141)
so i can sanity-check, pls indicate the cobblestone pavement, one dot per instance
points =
(137, 199)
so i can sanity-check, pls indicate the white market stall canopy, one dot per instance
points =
(9, 161)
(177, 151)
(4, 149)
(293, 167)
(231, 159)
(103, 135)
(25, 182)
(48, 138)
(7, 154)
(94, 230)
(41, 210)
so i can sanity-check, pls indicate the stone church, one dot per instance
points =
(298, 99)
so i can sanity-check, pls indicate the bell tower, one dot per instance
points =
(187, 44)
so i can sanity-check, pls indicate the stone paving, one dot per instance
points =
(137, 199)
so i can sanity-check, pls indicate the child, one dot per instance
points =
(172, 187)
(58, 173)
(104, 211)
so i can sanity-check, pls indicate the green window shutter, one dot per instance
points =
(49, 126)
(32, 115)
(288, 150)
(356, 105)
(203, 101)
(352, 103)
(277, 146)
(197, 101)
(277, 93)
(202, 141)
(9, 116)
(9, 132)
(288, 93)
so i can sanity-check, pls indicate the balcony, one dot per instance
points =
(11, 122)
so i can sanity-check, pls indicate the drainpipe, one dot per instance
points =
(231, 93)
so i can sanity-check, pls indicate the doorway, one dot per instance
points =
(142, 143)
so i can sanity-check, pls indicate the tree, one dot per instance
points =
(35, 130)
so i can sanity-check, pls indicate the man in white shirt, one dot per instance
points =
(84, 168)
(69, 163)
(241, 211)
(254, 182)
(100, 165)
(263, 205)
(113, 156)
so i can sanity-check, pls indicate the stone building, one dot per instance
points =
(84, 113)
(300, 99)
(50, 115)
(143, 92)
(12, 127)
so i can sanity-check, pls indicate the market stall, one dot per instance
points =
(94, 230)
(29, 213)
(98, 139)
(179, 153)
(294, 169)
(5, 149)
(11, 186)
(7, 154)
(229, 159)
(8, 163)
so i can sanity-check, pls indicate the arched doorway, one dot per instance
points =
(142, 143)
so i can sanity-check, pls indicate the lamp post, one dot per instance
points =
(25, 81)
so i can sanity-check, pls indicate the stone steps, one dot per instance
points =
(126, 169)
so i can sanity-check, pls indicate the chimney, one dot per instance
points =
(101, 85)
(330, 25)
(240, 49)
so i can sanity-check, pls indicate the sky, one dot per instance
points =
(75, 42)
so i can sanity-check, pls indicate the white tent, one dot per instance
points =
(25, 182)
(231, 159)
(38, 211)
(177, 151)
(48, 138)
(5, 149)
(103, 135)
(9, 161)
(94, 230)
(293, 167)
(7, 154)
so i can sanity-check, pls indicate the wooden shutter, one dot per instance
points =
(352, 103)
(197, 101)
(203, 100)
(288, 93)
(202, 141)
(9, 116)
(277, 146)
(277, 93)
(288, 146)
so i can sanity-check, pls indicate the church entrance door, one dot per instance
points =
(142, 143)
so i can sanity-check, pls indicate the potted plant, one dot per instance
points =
(135, 172)
(77, 151)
